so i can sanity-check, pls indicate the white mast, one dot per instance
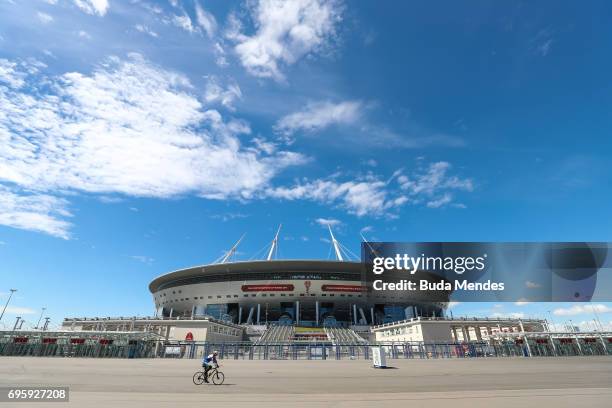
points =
(232, 251)
(336, 244)
(274, 243)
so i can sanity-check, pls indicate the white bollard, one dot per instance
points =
(379, 358)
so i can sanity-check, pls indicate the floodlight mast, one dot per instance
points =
(336, 244)
(274, 245)
(232, 251)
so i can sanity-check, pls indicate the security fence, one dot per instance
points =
(77, 344)
(134, 345)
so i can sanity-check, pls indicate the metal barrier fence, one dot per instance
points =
(414, 350)
(133, 349)
(296, 350)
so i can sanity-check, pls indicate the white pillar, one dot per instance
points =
(297, 312)
(466, 333)
(317, 311)
(525, 338)
(603, 343)
(372, 315)
(239, 314)
(552, 343)
(354, 313)
(171, 311)
(258, 312)
(362, 315)
(577, 343)
(250, 317)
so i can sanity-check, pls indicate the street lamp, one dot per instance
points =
(40, 318)
(7, 302)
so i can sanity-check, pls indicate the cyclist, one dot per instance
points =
(209, 362)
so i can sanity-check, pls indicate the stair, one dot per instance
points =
(343, 335)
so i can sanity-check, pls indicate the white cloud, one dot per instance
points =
(34, 212)
(10, 74)
(367, 228)
(215, 92)
(84, 34)
(220, 58)
(532, 285)
(144, 259)
(285, 31)
(440, 202)
(358, 197)
(434, 179)
(582, 309)
(590, 325)
(99, 7)
(206, 20)
(542, 42)
(328, 222)
(184, 22)
(522, 302)
(44, 17)
(146, 30)
(228, 216)
(317, 116)
(370, 195)
(434, 184)
(128, 128)
(512, 315)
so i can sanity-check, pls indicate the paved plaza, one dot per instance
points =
(483, 382)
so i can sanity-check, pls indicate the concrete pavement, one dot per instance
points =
(535, 382)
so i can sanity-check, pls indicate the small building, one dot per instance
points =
(177, 328)
(446, 330)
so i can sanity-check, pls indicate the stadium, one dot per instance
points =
(296, 309)
(302, 292)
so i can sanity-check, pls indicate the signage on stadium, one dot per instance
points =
(343, 288)
(268, 288)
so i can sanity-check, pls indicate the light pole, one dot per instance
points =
(551, 320)
(40, 318)
(7, 302)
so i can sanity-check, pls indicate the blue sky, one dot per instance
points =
(140, 137)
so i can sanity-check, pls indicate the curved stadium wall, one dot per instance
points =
(307, 292)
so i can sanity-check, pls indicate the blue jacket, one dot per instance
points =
(209, 358)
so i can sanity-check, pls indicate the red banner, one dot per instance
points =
(343, 288)
(268, 288)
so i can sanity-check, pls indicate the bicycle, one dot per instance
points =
(214, 374)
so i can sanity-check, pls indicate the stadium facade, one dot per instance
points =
(303, 292)
(299, 292)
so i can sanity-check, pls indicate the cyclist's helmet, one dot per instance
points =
(215, 353)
